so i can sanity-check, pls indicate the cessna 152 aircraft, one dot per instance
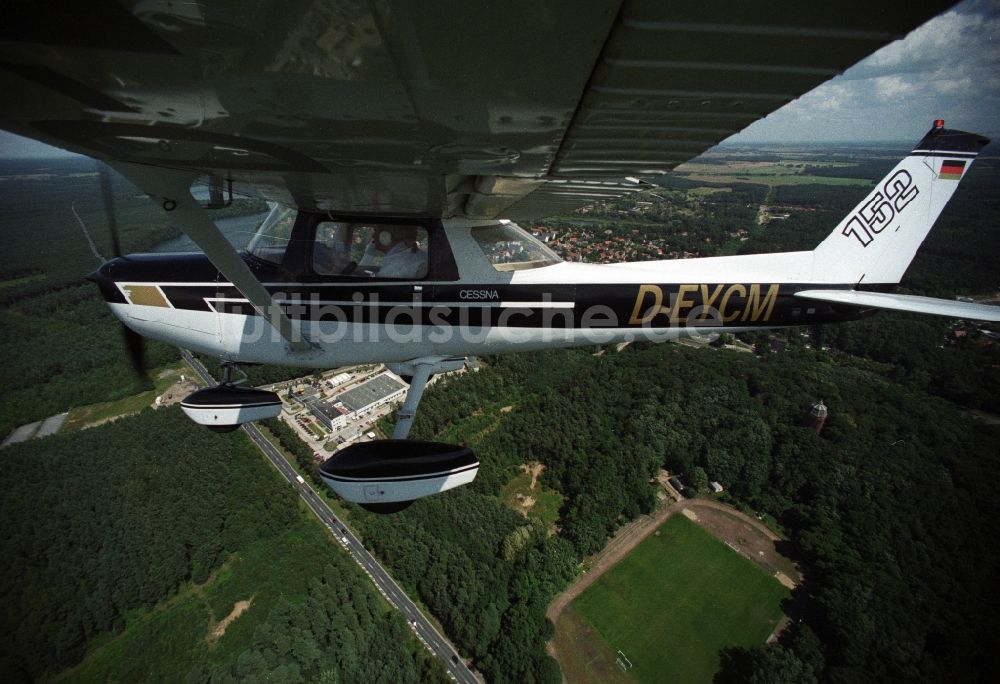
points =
(398, 142)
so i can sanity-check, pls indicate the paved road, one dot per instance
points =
(425, 631)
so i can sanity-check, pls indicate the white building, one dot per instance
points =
(338, 379)
(333, 415)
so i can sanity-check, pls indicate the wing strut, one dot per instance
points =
(171, 190)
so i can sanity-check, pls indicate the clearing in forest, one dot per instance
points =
(218, 629)
(526, 495)
(675, 601)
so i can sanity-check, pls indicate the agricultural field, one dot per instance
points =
(769, 173)
(672, 604)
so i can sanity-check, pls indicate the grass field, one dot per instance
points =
(83, 416)
(676, 600)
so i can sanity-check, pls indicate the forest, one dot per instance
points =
(111, 526)
(890, 509)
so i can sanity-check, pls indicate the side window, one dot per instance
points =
(374, 250)
(510, 248)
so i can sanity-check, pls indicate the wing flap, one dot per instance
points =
(910, 303)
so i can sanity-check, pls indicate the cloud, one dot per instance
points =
(893, 87)
(949, 67)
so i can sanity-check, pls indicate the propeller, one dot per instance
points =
(134, 343)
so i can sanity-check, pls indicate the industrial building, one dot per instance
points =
(333, 415)
(368, 396)
(356, 402)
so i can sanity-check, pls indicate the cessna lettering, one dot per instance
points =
(479, 294)
(695, 303)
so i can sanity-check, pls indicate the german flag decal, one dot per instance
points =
(952, 169)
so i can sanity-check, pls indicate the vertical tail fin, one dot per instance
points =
(876, 242)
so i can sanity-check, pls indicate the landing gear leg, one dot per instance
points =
(226, 406)
(419, 371)
(227, 374)
(385, 476)
(408, 411)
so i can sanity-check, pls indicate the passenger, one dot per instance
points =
(402, 258)
(331, 252)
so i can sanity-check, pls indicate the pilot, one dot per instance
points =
(331, 252)
(402, 256)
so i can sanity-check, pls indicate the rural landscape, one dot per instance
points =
(642, 513)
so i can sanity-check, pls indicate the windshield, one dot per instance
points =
(511, 248)
(271, 239)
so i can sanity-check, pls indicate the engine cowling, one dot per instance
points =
(226, 407)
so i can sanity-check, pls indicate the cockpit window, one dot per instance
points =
(271, 240)
(510, 248)
(374, 250)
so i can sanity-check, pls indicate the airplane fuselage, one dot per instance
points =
(182, 300)
(322, 290)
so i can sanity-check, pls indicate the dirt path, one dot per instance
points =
(177, 391)
(184, 593)
(238, 609)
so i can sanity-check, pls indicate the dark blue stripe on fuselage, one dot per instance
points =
(595, 306)
(479, 305)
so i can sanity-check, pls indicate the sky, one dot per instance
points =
(949, 68)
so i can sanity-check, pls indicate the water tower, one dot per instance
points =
(817, 416)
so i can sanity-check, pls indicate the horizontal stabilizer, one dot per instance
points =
(911, 303)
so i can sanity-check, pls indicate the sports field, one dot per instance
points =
(677, 599)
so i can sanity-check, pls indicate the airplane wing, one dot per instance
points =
(451, 108)
(910, 303)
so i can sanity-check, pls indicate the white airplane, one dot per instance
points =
(398, 145)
